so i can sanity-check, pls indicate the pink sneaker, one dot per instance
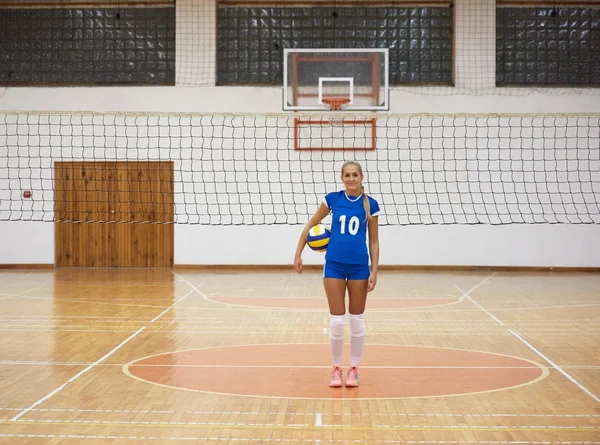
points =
(336, 377)
(352, 378)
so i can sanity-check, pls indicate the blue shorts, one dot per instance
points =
(342, 271)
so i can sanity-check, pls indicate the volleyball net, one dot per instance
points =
(274, 169)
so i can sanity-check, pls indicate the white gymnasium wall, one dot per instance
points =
(552, 245)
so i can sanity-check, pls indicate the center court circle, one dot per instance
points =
(302, 371)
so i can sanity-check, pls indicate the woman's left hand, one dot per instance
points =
(372, 282)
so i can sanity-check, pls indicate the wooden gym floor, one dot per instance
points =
(171, 357)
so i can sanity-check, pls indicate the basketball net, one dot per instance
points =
(336, 104)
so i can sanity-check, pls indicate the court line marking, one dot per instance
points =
(532, 308)
(103, 303)
(218, 329)
(448, 325)
(83, 410)
(530, 346)
(423, 309)
(222, 332)
(386, 414)
(295, 298)
(243, 366)
(191, 319)
(213, 326)
(100, 360)
(238, 425)
(558, 325)
(56, 363)
(68, 317)
(417, 309)
(293, 440)
(403, 414)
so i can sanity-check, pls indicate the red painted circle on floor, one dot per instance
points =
(302, 370)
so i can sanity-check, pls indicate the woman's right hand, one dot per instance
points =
(298, 263)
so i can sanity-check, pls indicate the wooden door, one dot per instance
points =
(114, 214)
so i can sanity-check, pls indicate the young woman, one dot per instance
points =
(354, 215)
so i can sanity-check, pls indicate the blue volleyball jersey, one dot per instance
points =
(348, 242)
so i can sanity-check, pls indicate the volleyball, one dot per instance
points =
(318, 238)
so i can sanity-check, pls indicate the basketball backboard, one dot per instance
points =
(311, 75)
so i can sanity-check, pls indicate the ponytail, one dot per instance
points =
(366, 202)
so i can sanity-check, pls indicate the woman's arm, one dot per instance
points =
(373, 251)
(321, 213)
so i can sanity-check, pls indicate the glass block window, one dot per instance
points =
(251, 40)
(88, 46)
(548, 46)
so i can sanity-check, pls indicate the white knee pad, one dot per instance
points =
(357, 325)
(336, 327)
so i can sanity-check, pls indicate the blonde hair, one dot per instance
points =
(365, 199)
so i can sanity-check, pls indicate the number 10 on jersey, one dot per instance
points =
(353, 225)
